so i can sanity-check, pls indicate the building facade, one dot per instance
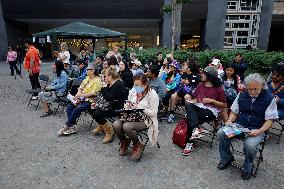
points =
(220, 24)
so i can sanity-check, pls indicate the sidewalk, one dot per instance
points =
(33, 156)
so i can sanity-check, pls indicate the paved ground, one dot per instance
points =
(32, 156)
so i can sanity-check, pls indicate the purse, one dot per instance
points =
(101, 103)
(132, 116)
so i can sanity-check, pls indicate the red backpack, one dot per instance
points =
(180, 132)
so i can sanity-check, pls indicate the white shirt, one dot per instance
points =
(271, 112)
(62, 54)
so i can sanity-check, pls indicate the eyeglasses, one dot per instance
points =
(253, 90)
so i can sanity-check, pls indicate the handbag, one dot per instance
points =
(132, 116)
(101, 103)
(180, 133)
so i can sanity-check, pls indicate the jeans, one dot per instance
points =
(251, 146)
(13, 66)
(35, 82)
(73, 112)
(196, 116)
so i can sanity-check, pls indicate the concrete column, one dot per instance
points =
(265, 24)
(215, 24)
(167, 29)
(3, 36)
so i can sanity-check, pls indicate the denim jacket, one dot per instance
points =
(59, 84)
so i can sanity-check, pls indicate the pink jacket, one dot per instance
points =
(11, 56)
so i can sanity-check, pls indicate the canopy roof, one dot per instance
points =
(79, 29)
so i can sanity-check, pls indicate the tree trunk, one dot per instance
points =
(176, 19)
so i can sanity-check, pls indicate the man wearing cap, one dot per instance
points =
(208, 100)
(89, 88)
(136, 67)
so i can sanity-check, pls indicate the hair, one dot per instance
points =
(64, 45)
(133, 55)
(278, 68)
(256, 77)
(119, 58)
(216, 82)
(80, 61)
(144, 81)
(234, 76)
(194, 68)
(111, 71)
(29, 41)
(154, 70)
(59, 67)
(159, 53)
(238, 54)
(112, 60)
(126, 69)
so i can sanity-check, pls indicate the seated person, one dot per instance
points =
(71, 72)
(254, 109)
(82, 69)
(155, 82)
(240, 66)
(208, 100)
(114, 93)
(141, 96)
(231, 87)
(58, 87)
(84, 97)
(276, 87)
(166, 65)
(189, 81)
(125, 74)
(99, 63)
(136, 67)
(172, 79)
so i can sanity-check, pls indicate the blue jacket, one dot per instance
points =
(174, 84)
(252, 114)
(59, 84)
(280, 94)
(83, 74)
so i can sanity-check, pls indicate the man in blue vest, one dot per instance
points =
(254, 109)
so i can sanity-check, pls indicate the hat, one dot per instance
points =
(90, 67)
(215, 62)
(175, 64)
(211, 70)
(136, 62)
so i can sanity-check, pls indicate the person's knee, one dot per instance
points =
(117, 125)
(220, 134)
(251, 145)
(174, 96)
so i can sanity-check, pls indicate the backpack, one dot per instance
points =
(180, 132)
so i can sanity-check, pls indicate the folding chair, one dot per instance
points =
(44, 81)
(63, 101)
(276, 128)
(258, 158)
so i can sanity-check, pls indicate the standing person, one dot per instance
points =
(64, 54)
(141, 96)
(12, 60)
(208, 100)
(240, 66)
(32, 64)
(20, 56)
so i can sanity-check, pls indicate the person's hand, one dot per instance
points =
(208, 100)
(229, 122)
(277, 99)
(254, 133)
(30, 73)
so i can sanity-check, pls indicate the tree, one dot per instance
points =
(174, 9)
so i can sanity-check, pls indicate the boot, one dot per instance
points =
(109, 133)
(98, 129)
(137, 151)
(124, 147)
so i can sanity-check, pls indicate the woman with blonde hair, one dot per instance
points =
(115, 93)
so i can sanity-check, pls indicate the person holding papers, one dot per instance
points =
(254, 109)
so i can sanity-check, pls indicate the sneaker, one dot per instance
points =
(34, 97)
(60, 132)
(188, 149)
(196, 134)
(171, 118)
(69, 131)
